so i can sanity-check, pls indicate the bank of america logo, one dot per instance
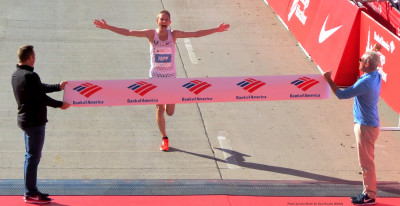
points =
(251, 84)
(305, 83)
(87, 89)
(196, 86)
(142, 87)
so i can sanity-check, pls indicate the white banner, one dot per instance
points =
(195, 90)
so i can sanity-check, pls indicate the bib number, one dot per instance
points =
(163, 57)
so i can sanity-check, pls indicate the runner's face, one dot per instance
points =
(163, 21)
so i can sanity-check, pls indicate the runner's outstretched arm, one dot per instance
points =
(181, 34)
(102, 24)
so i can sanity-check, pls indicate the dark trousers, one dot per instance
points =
(34, 140)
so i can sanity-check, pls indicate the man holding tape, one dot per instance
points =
(162, 56)
(30, 94)
(366, 120)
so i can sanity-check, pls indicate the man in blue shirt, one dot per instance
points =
(366, 120)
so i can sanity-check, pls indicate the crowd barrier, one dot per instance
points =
(326, 35)
(195, 90)
(335, 34)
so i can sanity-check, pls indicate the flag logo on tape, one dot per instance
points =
(251, 84)
(305, 83)
(142, 87)
(196, 86)
(87, 89)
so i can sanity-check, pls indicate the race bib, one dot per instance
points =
(163, 57)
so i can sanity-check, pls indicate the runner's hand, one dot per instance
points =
(223, 27)
(101, 24)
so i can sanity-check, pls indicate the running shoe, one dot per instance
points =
(358, 196)
(363, 199)
(37, 199)
(43, 194)
(164, 144)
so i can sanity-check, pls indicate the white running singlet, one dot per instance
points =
(162, 57)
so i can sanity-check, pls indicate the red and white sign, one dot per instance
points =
(372, 32)
(195, 90)
(328, 31)
(335, 34)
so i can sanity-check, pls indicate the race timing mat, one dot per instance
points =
(97, 93)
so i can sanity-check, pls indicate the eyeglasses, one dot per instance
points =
(361, 60)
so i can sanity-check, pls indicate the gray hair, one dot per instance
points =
(373, 59)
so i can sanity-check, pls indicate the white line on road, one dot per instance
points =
(225, 144)
(191, 53)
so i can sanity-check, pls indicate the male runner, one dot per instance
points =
(162, 56)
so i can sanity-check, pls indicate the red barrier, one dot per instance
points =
(330, 39)
(372, 32)
(335, 34)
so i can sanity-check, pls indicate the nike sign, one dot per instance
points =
(325, 34)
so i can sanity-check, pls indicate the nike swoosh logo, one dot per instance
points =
(325, 34)
(35, 198)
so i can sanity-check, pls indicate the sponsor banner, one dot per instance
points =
(195, 90)
(300, 18)
(372, 32)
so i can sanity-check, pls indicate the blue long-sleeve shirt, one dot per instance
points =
(366, 96)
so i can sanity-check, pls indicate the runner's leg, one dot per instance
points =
(160, 119)
(170, 109)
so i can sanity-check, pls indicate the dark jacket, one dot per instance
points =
(30, 94)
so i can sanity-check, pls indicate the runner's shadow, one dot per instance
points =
(241, 162)
(238, 159)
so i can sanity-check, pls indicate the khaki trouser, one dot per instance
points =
(366, 137)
